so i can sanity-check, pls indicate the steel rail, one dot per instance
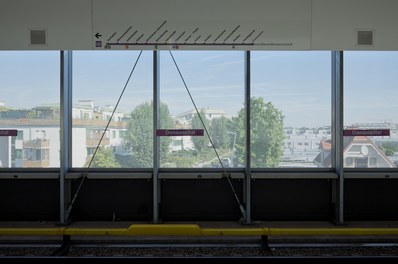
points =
(240, 244)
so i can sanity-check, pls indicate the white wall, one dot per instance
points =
(286, 24)
(5, 153)
(68, 24)
(335, 22)
(217, 22)
(79, 149)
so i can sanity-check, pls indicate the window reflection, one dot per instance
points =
(215, 81)
(105, 136)
(370, 104)
(290, 109)
(30, 104)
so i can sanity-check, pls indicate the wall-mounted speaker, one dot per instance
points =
(38, 37)
(365, 37)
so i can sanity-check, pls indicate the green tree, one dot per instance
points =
(389, 147)
(266, 131)
(219, 133)
(103, 158)
(200, 142)
(180, 159)
(31, 114)
(140, 134)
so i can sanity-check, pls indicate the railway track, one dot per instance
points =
(191, 250)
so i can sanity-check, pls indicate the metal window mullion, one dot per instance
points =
(65, 131)
(156, 143)
(247, 185)
(337, 135)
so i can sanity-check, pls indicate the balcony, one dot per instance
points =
(92, 141)
(36, 144)
(35, 163)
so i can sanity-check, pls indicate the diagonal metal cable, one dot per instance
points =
(102, 136)
(228, 177)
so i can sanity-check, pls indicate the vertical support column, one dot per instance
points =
(247, 184)
(65, 133)
(156, 143)
(337, 135)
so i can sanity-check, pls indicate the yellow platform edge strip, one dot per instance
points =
(32, 231)
(194, 230)
(234, 231)
(164, 230)
(75, 231)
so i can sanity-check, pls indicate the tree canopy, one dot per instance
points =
(104, 158)
(140, 134)
(219, 132)
(266, 134)
(200, 143)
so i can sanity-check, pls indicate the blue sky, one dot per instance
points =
(298, 83)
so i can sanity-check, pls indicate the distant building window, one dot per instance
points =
(18, 153)
(349, 161)
(38, 154)
(372, 162)
(20, 134)
(361, 162)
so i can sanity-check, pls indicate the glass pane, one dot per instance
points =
(370, 94)
(290, 109)
(99, 79)
(30, 104)
(215, 81)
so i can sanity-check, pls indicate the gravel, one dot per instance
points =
(202, 251)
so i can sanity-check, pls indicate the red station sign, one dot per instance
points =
(8, 133)
(366, 132)
(179, 132)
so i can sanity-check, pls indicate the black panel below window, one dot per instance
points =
(200, 200)
(112, 200)
(371, 199)
(291, 199)
(29, 200)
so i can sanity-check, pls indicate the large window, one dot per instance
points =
(215, 81)
(290, 109)
(370, 96)
(99, 79)
(30, 104)
(199, 90)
